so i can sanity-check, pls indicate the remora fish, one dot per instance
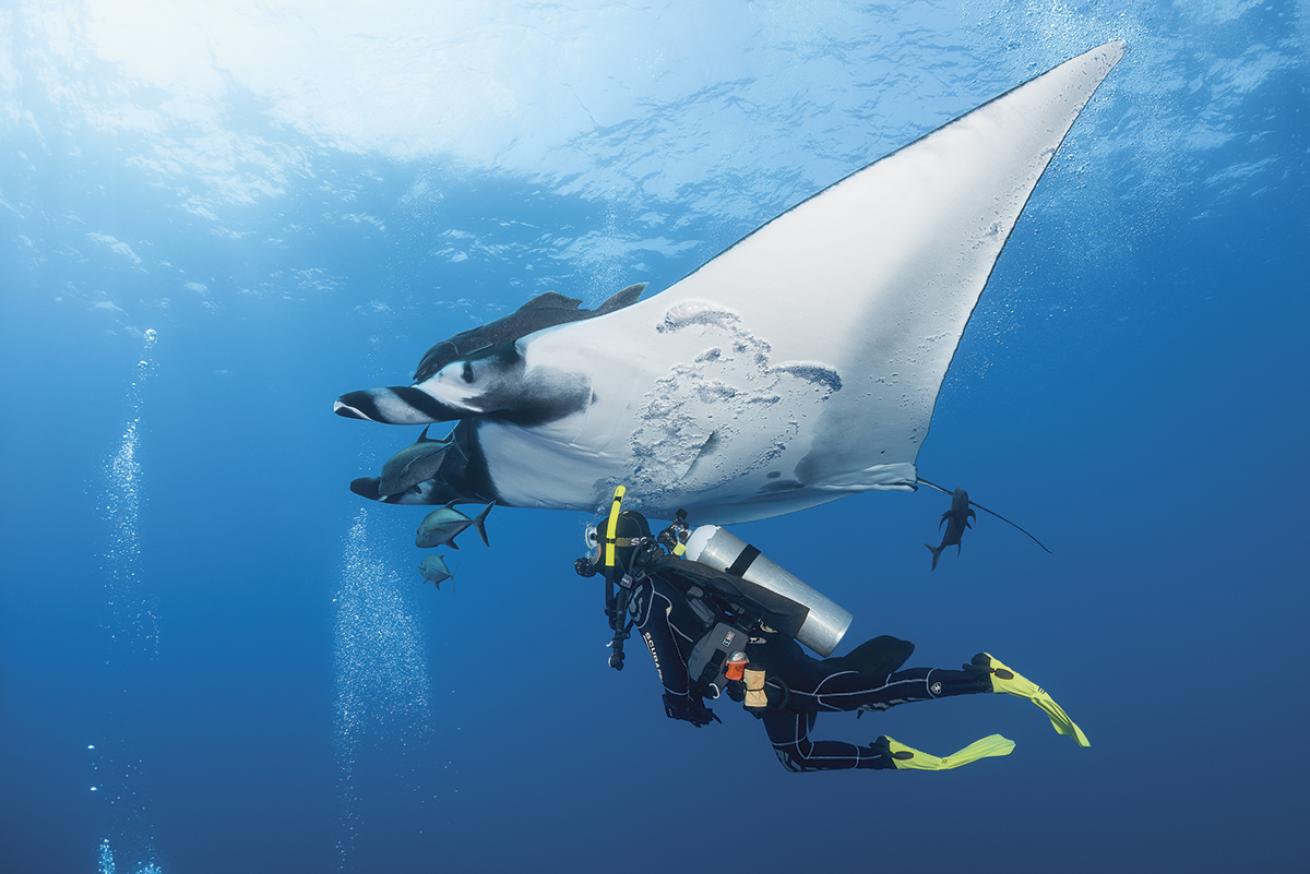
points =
(956, 519)
(413, 464)
(444, 524)
(434, 570)
(461, 478)
(798, 366)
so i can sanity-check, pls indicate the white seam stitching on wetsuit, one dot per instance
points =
(650, 603)
(857, 692)
(829, 677)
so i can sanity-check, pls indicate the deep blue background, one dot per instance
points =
(1131, 388)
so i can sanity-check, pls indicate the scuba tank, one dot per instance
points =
(825, 622)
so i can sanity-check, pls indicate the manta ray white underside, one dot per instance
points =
(803, 363)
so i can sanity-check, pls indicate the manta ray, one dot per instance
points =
(800, 365)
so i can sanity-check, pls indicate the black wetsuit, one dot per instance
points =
(799, 687)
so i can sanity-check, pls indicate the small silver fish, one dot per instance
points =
(444, 524)
(434, 570)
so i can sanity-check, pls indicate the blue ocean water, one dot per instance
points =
(217, 218)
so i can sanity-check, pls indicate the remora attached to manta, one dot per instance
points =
(413, 465)
(800, 365)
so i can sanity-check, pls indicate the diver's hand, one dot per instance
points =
(685, 708)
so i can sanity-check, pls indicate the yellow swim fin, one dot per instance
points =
(1009, 681)
(907, 758)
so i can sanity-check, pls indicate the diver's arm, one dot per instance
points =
(650, 616)
(651, 608)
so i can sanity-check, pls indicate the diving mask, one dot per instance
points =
(591, 539)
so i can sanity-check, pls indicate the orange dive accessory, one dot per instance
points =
(735, 667)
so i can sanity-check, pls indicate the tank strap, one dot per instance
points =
(743, 561)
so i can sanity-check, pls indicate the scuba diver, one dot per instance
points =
(719, 618)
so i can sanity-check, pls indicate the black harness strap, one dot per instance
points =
(744, 561)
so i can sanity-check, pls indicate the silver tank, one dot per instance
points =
(827, 621)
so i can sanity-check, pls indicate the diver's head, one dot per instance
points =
(629, 526)
(632, 535)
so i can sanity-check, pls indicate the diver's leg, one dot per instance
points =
(857, 690)
(789, 733)
(864, 679)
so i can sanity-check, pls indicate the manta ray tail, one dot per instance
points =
(1015, 525)
(481, 522)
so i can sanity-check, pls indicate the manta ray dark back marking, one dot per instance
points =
(543, 311)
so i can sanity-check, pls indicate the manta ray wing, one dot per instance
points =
(804, 362)
(812, 351)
